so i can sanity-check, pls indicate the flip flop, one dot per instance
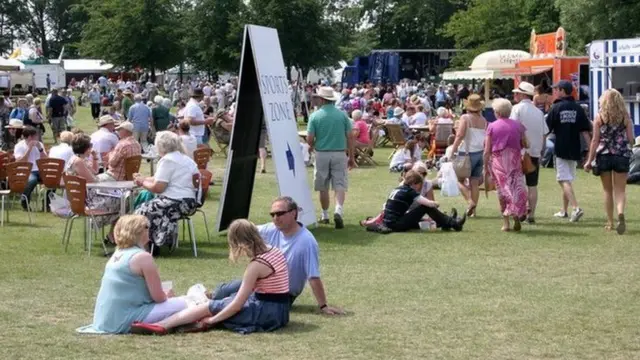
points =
(147, 329)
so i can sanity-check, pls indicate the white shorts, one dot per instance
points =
(565, 169)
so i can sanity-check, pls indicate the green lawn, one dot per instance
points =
(556, 290)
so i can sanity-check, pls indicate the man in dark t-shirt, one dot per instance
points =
(396, 217)
(56, 109)
(568, 121)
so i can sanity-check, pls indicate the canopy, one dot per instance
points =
(499, 59)
(10, 64)
(475, 75)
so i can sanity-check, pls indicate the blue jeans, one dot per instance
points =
(477, 163)
(198, 139)
(34, 179)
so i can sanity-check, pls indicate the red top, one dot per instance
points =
(278, 281)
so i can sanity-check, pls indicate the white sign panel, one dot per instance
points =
(628, 46)
(279, 116)
(596, 54)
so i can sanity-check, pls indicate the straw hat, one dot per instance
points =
(415, 100)
(525, 88)
(398, 111)
(15, 124)
(327, 93)
(126, 125)
(637, 142)
(106, 120)
(474, 103)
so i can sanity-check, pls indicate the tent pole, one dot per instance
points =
(487, 90)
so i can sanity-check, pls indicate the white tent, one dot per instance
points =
(10, 64)
(83, 66)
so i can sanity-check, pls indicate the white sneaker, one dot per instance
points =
(561, 214)
(576, 215)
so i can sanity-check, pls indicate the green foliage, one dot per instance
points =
(498, 24)
(143, 33)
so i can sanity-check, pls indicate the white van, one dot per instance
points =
(56, 74)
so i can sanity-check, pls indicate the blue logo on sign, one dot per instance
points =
(290, 160)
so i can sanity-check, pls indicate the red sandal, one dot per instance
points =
(147, 329)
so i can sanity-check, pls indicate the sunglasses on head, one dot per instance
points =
(280, 213)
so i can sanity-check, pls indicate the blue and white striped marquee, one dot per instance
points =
(604, 55)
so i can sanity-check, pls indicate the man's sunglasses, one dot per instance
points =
(280, 213)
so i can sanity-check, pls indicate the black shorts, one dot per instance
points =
(615, 163)
(532, 178)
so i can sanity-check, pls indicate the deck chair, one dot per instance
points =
(439, 140)
(396, 136)
(223, 145)
(363, 157)
(132, 166)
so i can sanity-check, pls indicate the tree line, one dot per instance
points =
(207, 34)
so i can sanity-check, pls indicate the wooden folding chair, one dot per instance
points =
(76, 191)
(132, 166)
(222, 145)
(363, 153)
(201, 157)
(441, 133)
(50, 170)
(396, 136)
(17, 178)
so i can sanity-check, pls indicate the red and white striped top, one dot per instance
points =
(278, 281)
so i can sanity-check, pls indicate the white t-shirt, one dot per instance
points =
(193, 110)
(62, 151)
(190, 144)
(206, 90)
(177, 169)
(20, 150)
(533, 120)
(420, 119)
(400, 157)
(444, 121)
(103, 141)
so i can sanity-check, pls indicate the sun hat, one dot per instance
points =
(197, 93)
(415, 100)
(106, 120)
(637, 142)
(525, 88)
(474, 103)
(126, 125)
(326, 92)
(15, 124)
(398, 111)
(127, 92)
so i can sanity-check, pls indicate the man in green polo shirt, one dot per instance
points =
(329, 134)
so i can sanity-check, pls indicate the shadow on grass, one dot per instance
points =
(555, 232)
(297, 327)
(351, 235)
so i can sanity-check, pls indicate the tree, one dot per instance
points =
(50, 24)
(217, 43)
(306, 36)
(134, 34)
(588, 20)
(498, 24)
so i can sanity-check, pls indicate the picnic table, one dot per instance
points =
(124, 186)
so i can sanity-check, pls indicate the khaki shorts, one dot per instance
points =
(58, 124)
(330, 168)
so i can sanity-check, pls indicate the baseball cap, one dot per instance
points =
(564, 85)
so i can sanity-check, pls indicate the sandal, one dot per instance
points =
(147, 329)
(622, 226)
(471, 211)
(608, 227)
(505, 229)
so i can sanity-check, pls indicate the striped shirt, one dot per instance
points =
(278, 281)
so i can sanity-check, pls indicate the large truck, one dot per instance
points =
(392, 65)
(56, 73)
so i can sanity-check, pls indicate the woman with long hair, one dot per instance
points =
(261, 304)
(610, 148)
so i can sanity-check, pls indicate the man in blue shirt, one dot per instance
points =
(441, 97)
(140, 115)
(299, 247)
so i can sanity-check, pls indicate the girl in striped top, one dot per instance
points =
(261, 304)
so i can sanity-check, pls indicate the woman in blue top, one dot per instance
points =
(131, 290)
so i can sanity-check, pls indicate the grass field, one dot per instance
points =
(555, 291)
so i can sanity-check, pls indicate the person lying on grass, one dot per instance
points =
(131, 289)
(263, 302)
(398, 217)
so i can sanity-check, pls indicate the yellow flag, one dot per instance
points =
(17, 52)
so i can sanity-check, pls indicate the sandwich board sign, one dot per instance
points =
(263, 96)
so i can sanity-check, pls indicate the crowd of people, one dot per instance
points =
(283, 255)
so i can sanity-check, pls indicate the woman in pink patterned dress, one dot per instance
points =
(503, 160)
